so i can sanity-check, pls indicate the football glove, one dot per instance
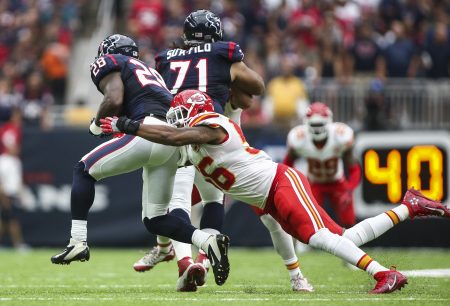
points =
(96, 131)
(123, 124)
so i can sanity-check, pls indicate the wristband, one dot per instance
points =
(127, 126)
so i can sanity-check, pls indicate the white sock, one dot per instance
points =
(199, 239)
(375, 267)
(164, 244)
(79, 230)
(182, 250)
(293, 267)
(371, 228)
(211, 231)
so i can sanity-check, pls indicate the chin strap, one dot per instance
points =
(354, 175)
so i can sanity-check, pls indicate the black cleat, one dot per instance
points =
(75, 251)
(218, 256)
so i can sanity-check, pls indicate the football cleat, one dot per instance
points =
(419, 205)
(389, 281)
(217, 252)
(75, 251)
(300, 284)
(190, 275)
(203, 259)
(152, 258)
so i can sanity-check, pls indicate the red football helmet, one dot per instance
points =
(186, 105)
(318, 117)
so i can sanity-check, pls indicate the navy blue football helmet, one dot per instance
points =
(118, 44)
(202, 26)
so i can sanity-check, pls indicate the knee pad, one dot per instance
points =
(270, 223)
(79, 171)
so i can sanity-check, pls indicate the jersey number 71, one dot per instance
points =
(183, 67)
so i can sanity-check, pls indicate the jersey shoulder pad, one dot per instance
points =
(106, 64)
(297, 137)
(343, 134)
(161, 56)
(229, 50)
(209, 119)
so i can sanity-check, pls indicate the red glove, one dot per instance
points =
(354, 176)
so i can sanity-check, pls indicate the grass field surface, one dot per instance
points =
(257, 277)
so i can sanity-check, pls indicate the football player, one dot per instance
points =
(133, 89)
(220, 152)
(203, 61)
(328, 148)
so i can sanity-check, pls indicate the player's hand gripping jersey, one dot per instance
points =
(237, 169)
(145, 90)
(204, 67)
(324, 165)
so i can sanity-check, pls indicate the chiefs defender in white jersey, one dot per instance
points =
(327, 146)
(220, 152)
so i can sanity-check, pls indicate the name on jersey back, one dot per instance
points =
(182, 52)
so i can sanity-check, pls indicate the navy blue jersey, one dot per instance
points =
(205, 67)
(145, 91)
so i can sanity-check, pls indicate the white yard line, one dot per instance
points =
(427, 273)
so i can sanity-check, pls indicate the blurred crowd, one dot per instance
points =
(296, 45)
(36, 37)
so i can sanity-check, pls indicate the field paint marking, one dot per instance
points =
(220, 299)
(427, 273)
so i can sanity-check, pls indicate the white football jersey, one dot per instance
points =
(324, 165)
(233, 166)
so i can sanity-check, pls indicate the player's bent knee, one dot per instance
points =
(152, 210)
(325, 240)
(80, 171)
(270, 223)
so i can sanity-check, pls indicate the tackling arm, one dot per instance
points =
(163, 134)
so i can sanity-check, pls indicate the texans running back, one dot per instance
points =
(328, 148)
(133, 89)
(220, 152)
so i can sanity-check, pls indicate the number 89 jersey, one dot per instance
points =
(233, 166)
(204, 67)
(324, 165)
(145, 91)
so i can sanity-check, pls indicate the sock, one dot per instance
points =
(164, 244)
(182, 250)
(344, 249)
(212, 217)
(371, 228)
(371, 266)
(171, 227)
(79, 230)
(293, 267)
(83, 192)
(199, 239)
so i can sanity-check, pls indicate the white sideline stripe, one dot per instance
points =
(219, 299)
(427, 273)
